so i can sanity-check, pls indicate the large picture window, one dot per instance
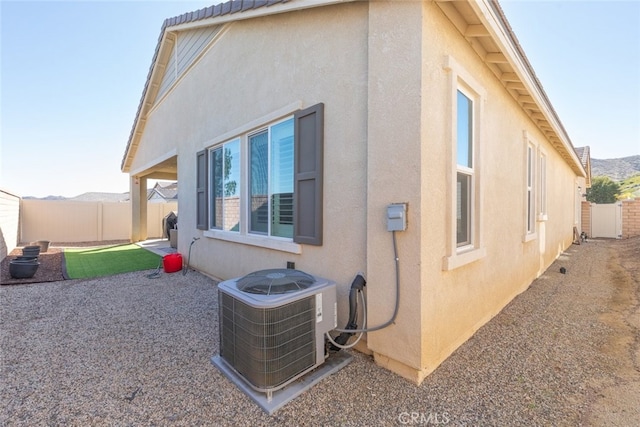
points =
(263, 186)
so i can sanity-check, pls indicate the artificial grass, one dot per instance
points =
(106, 261)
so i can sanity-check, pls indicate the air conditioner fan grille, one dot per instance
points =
(275, 281)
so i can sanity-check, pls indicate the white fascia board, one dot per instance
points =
(167, 42)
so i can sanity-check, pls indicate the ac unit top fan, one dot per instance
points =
(275, 282)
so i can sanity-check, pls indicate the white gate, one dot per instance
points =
(606, 220)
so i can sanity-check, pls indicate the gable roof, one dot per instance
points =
(231, 10)
(584, 154)
(230, 7)
(481, 22)
(167, 190)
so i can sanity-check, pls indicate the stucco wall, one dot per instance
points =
(380, 69)
(459, 301)
(439, 310)
(255, 68)
(395, 174)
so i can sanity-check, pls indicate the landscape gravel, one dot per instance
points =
(129, 350)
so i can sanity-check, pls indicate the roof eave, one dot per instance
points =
(208, 16)
(535, 87)
(534, 100)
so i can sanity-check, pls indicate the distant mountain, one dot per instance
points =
(101, 197)
(616, 169)
(45, 198)
(88, 197)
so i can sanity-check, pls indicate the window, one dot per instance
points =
(531, 204)
(464, 207)
(464, 169)
(225, 187)
(529, 197)
(271, 180)
(263, 186)
(542, 187)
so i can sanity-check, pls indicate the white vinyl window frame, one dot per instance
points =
(228, 184)
(471, 249)
(542, 186)
(244, 236)
(530, 201)
(277, 157)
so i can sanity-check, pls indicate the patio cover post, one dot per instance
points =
(138, 208)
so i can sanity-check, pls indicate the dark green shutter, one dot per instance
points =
(308, 165)
(201, 190)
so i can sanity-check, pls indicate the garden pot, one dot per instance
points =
(31, 251)
(44, 245)
(26, 258)
(23, 269)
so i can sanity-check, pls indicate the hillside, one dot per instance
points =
(630, 187)
(616, 169)
(88, 197)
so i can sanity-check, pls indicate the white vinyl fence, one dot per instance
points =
(9, 222)
(72, 221)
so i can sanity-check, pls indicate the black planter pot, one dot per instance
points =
(26, 258)
(31, 251)
(23, 269)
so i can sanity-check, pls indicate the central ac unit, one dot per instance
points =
(272, 325)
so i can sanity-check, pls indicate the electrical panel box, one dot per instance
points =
(397, 217)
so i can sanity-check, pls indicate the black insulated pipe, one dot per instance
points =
(357, 285)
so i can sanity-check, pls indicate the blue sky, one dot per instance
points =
(72, 74)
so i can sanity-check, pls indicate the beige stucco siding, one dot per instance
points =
(255, 67)
(409, 161)
(457, 302)
(394, 175)
(387, 75)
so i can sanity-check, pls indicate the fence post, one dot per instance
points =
(100, 224)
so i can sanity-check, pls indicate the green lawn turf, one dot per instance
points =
(86, 263)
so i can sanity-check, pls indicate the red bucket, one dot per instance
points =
(172, 263)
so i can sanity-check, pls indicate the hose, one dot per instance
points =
(353, 344)
(186, 268)
(155, 274)
(395, 311)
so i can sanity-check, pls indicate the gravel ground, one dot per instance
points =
(129, 350)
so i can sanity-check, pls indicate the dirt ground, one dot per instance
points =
(51, 262)
(618, 403)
